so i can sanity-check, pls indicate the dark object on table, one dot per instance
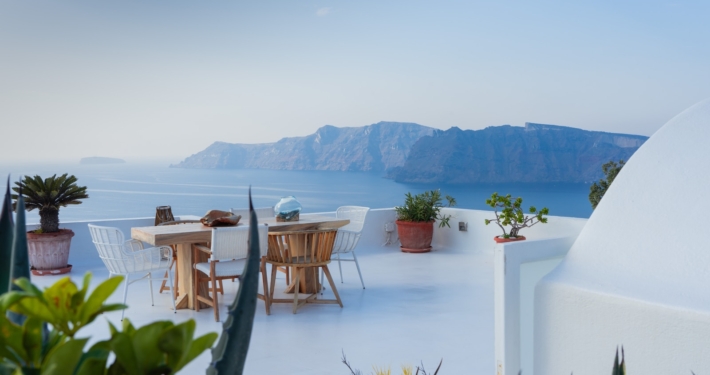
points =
(217, 218)
(163, 214)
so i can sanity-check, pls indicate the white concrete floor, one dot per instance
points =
(417, 308)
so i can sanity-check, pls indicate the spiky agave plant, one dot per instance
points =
(48, 195)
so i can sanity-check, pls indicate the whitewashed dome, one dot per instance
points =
(638, 275)
(649, 236)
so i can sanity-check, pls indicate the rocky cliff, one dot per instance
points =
(409, 152)
(374, 148)
(534, 153)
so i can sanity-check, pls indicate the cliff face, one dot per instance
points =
(534, 153)
(374, 148)
(413, 153)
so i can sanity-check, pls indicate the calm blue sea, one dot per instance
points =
(134, 190)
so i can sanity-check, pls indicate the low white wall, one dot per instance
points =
(587, 326)
(509, 257)
(480, 235)
(83, 252)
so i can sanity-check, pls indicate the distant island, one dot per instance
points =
(100, 160)
(408, 152)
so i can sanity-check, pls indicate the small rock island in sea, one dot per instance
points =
(101, 160)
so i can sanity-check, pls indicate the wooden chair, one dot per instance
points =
(262, 213)
(305, 252)
(228, 253)
(164, 285)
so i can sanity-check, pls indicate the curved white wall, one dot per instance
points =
(639, 273)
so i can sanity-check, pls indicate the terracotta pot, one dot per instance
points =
(415, 236)
(511, 239)
(49, 252)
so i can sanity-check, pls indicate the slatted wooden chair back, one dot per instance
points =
(300, 248)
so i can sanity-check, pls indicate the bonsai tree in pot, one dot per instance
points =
(415, 220)
(512, 215)
(48, 246)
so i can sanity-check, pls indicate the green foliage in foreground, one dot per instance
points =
(161, 347)
(598, 189)
(512, 214)
(424, 207)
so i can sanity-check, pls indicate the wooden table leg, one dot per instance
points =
(309, 281)
(186, 299)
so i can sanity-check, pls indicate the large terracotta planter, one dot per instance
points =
(49, 252)
(415, 236)
(511, 239)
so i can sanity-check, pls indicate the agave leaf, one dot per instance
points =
(229, 356)
(20, 257)
(6, 240)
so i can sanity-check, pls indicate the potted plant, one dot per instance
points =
(48, 246)
(512, 214)
(415, 220)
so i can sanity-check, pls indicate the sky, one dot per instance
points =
(162, 80)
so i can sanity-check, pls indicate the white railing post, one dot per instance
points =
(508, 258)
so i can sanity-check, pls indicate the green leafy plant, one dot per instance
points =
(599, 188)
(424, 207)
(511, 214)
(161, 347)
(48, 195)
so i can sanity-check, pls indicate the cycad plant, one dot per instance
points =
(48, 195)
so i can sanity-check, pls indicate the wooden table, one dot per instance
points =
(184, 235)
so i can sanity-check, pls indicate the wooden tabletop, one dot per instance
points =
(196, 232)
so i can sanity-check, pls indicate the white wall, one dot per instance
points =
(638, 274)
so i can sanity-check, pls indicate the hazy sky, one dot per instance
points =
(164, 79)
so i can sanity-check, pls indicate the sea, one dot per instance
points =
(131, 190)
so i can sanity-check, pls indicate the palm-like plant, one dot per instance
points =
(48, 195)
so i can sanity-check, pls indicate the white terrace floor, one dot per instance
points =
(417, 308)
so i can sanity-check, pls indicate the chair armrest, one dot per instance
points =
(203, 248)
(151, 259)
(133, 245)
(167, 250)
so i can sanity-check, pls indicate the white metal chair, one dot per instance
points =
(125, 258)
(228, 253)
(348, 237)
(261, 213)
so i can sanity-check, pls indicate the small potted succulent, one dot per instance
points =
(48, 246)
(511, 214)
(415, 220)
